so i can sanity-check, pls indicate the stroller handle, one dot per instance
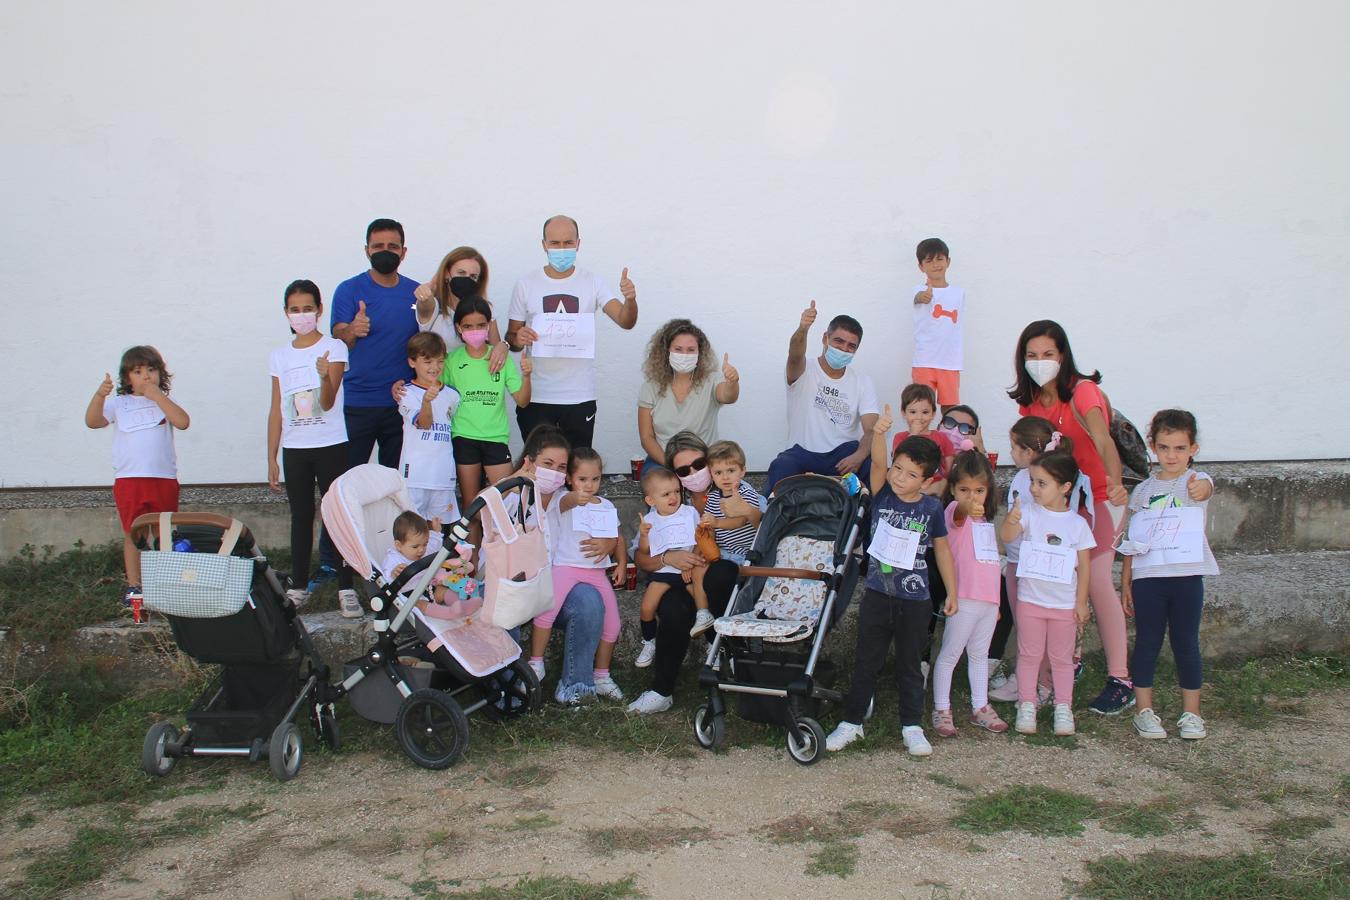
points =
(147, 524)
(461, 528)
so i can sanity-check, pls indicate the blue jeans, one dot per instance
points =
(796, 460)
(582, 615)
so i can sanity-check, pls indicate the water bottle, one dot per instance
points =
(182, 545)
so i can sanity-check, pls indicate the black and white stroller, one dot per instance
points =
(226, 606)
(424, 674)
(796, 586)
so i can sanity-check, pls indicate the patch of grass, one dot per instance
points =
(25, 821)
(1256, 691)
(524, 776)
(1296, 828)
(44, 596)
(537, 822)
(553, 887)
(608, 841)
(1174, 876)
(849, 821)
(837, 858)
(948, 782)
(1030, 808)
(192, 821)
(442, 839)
(1148, 820)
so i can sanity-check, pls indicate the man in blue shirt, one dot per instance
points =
(373, 315)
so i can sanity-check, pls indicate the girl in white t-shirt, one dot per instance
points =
(583, 534)
(306, 424)
(1052, 583)
(145, 467)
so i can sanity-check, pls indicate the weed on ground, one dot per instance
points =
(1174, 876)
(554, 887)
(649, 839)
(1026, 807)
(1296, 828)
(836, 858)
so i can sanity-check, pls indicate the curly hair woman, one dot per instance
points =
(683, 387)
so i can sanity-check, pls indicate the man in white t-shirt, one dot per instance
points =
(564, 380)
(829, 405)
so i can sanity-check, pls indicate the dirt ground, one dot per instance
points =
(746, 822)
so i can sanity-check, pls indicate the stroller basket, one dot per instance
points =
(244, 702)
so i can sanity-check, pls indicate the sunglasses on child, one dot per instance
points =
(697, 465)
(963, 427)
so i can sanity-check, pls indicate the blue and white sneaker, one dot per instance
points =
(322, 575)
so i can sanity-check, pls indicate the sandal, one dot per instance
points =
(986, 718)
(943, 724)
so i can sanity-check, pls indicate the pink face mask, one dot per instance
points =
(475, 338)
(548, 481)
(698, 482)
(303, 322)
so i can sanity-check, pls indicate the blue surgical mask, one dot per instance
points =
(836, 358)
(562, 260)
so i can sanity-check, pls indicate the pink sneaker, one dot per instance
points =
(987, 719)
(943, 724)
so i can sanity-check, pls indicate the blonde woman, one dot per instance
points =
(684, 387)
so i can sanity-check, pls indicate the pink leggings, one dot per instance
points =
(1045, 632)
(968, 631)
(567, 577)
(1106, 608)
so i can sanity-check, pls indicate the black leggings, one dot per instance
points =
(883, 620)
(675, 615)
(303, 469)
(999, 643)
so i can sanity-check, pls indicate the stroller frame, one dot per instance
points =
(805, 738)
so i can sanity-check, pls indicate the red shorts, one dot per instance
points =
(946, 383)
(138, 496)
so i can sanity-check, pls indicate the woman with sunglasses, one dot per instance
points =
(683, 389)
(687, 456)
(1050, 386)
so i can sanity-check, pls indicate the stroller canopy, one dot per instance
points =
(359, 510)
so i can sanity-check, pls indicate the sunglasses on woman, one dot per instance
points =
(697, 465)
(963, 427)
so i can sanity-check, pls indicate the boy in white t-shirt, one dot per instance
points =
(939, 311)
(829, 405)
(668, 525)
(145, 467)
(427, 462)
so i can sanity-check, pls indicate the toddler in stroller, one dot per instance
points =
(768, 646)
(439, 663)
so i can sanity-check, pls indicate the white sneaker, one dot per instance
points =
(350, 604)
(538, 668)
(606, 687)
(915, 742)
(1063, 720)
(1191, 727)
(298, 597)
(702, 622)
(650, 702)
(646, 654)
(1026, 718)
(1005, 692)
(924, 668)
(844, 734)
(1148, 725)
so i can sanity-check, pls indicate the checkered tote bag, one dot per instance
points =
(196, 585)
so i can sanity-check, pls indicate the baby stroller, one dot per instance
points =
(767, 646)
(226, 605)
(433, 672)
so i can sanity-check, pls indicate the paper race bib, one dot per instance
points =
(671, 536)
(138, 413)
(597, 520)
(1047, 562)
(569, 335)
(297, 379)
(1174, 536)
(986, 544)
(896, 547)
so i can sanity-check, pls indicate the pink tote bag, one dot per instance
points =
(517, 580)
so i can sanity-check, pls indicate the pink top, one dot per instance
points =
(975, 580)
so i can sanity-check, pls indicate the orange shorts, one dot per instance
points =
(946, 383)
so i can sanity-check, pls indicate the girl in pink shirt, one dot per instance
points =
(971, 503)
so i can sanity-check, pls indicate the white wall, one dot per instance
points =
(1167, 180)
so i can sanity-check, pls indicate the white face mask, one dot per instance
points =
(684, 363)
(1042, 371)
(303, 322)
(548, 481)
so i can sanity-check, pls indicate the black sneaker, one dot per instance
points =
(1116, 697)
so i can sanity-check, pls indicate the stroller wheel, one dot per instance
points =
(709, 730)
(285, 752)
(324, 719)
(155, 759)
(513, 691)
(806, 741)
(432, 728)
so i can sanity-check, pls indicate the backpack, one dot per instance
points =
(1130, 446)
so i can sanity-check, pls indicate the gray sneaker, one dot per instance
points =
(1148, 725)
(1191, 727)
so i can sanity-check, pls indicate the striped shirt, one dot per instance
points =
(734, 540)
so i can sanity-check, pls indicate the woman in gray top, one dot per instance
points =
(683, 388)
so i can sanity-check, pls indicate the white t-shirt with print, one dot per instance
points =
(560, 381)
(938, 328)
(428, 459)
(824, 412)
(142, 445)
(566, 541)
(304, 422)
(1059, 529)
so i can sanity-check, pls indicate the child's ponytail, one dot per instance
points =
(1032, 432)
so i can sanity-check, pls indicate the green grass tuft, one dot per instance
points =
(1174, 876)
(653, 838)
(837, 858)
(1030, 808)
(1296, 828)
(552, 887)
